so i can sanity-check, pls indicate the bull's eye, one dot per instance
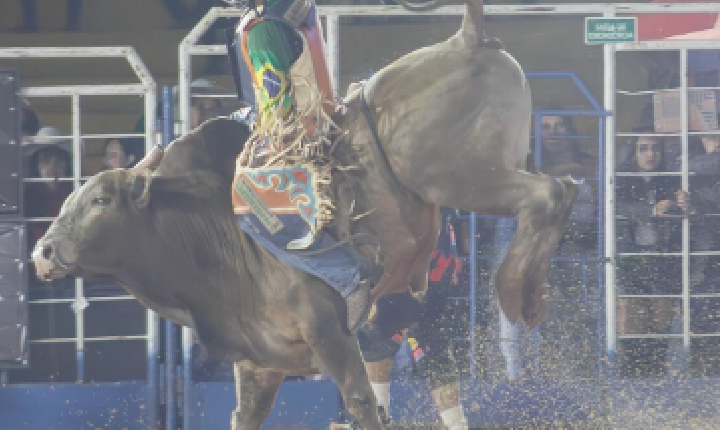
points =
(100, 201)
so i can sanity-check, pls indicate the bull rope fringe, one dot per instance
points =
(278, 141)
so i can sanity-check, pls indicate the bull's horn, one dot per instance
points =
(140, 188)
(152, 159)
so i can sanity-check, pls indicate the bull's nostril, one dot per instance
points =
(46, 252)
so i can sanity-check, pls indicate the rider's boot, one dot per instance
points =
(358, 304)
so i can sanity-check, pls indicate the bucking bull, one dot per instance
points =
(453, 126)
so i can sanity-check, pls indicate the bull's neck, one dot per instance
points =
(205, 260)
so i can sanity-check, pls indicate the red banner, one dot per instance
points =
(696, 26)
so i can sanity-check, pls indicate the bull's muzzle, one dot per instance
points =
(53, 259)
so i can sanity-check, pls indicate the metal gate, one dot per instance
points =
(685, 114)
(94, 349)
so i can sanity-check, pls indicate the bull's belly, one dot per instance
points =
(265, 349)
(443, 171)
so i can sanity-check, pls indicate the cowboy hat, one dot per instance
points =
(45, 137)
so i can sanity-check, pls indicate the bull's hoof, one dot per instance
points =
(509, 291)
(533, 308)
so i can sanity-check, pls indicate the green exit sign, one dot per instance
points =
(610, 30)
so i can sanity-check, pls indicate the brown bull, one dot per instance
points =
(167, 232)
(453, 122)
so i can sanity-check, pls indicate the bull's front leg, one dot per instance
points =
(256, 390)
(339, 353)
(320, 314)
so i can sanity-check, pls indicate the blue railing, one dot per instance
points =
(171, 413)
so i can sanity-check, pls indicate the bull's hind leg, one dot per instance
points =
(540, 228)
(256, 390)
(542, 205)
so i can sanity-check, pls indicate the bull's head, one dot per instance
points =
(84, 220)
(108, 214)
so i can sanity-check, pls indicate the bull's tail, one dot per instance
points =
(473, 27)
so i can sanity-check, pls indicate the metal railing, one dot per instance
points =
(145, 88)
(685, 253)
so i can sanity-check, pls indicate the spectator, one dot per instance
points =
(561, 154)
(209, 100)
(641, 197)
(122, 153)
(644, 201)
(29, 16)
(51, 161)
(704, 163)
(29, 121)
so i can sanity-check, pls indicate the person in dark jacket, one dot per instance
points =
(650, 204)
(704, 164)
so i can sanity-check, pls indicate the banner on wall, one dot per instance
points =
(679, 26)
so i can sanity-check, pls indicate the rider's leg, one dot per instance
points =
(433, 355)
(380, 373)
(447, 400)
(336, 265)
(381, 338)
